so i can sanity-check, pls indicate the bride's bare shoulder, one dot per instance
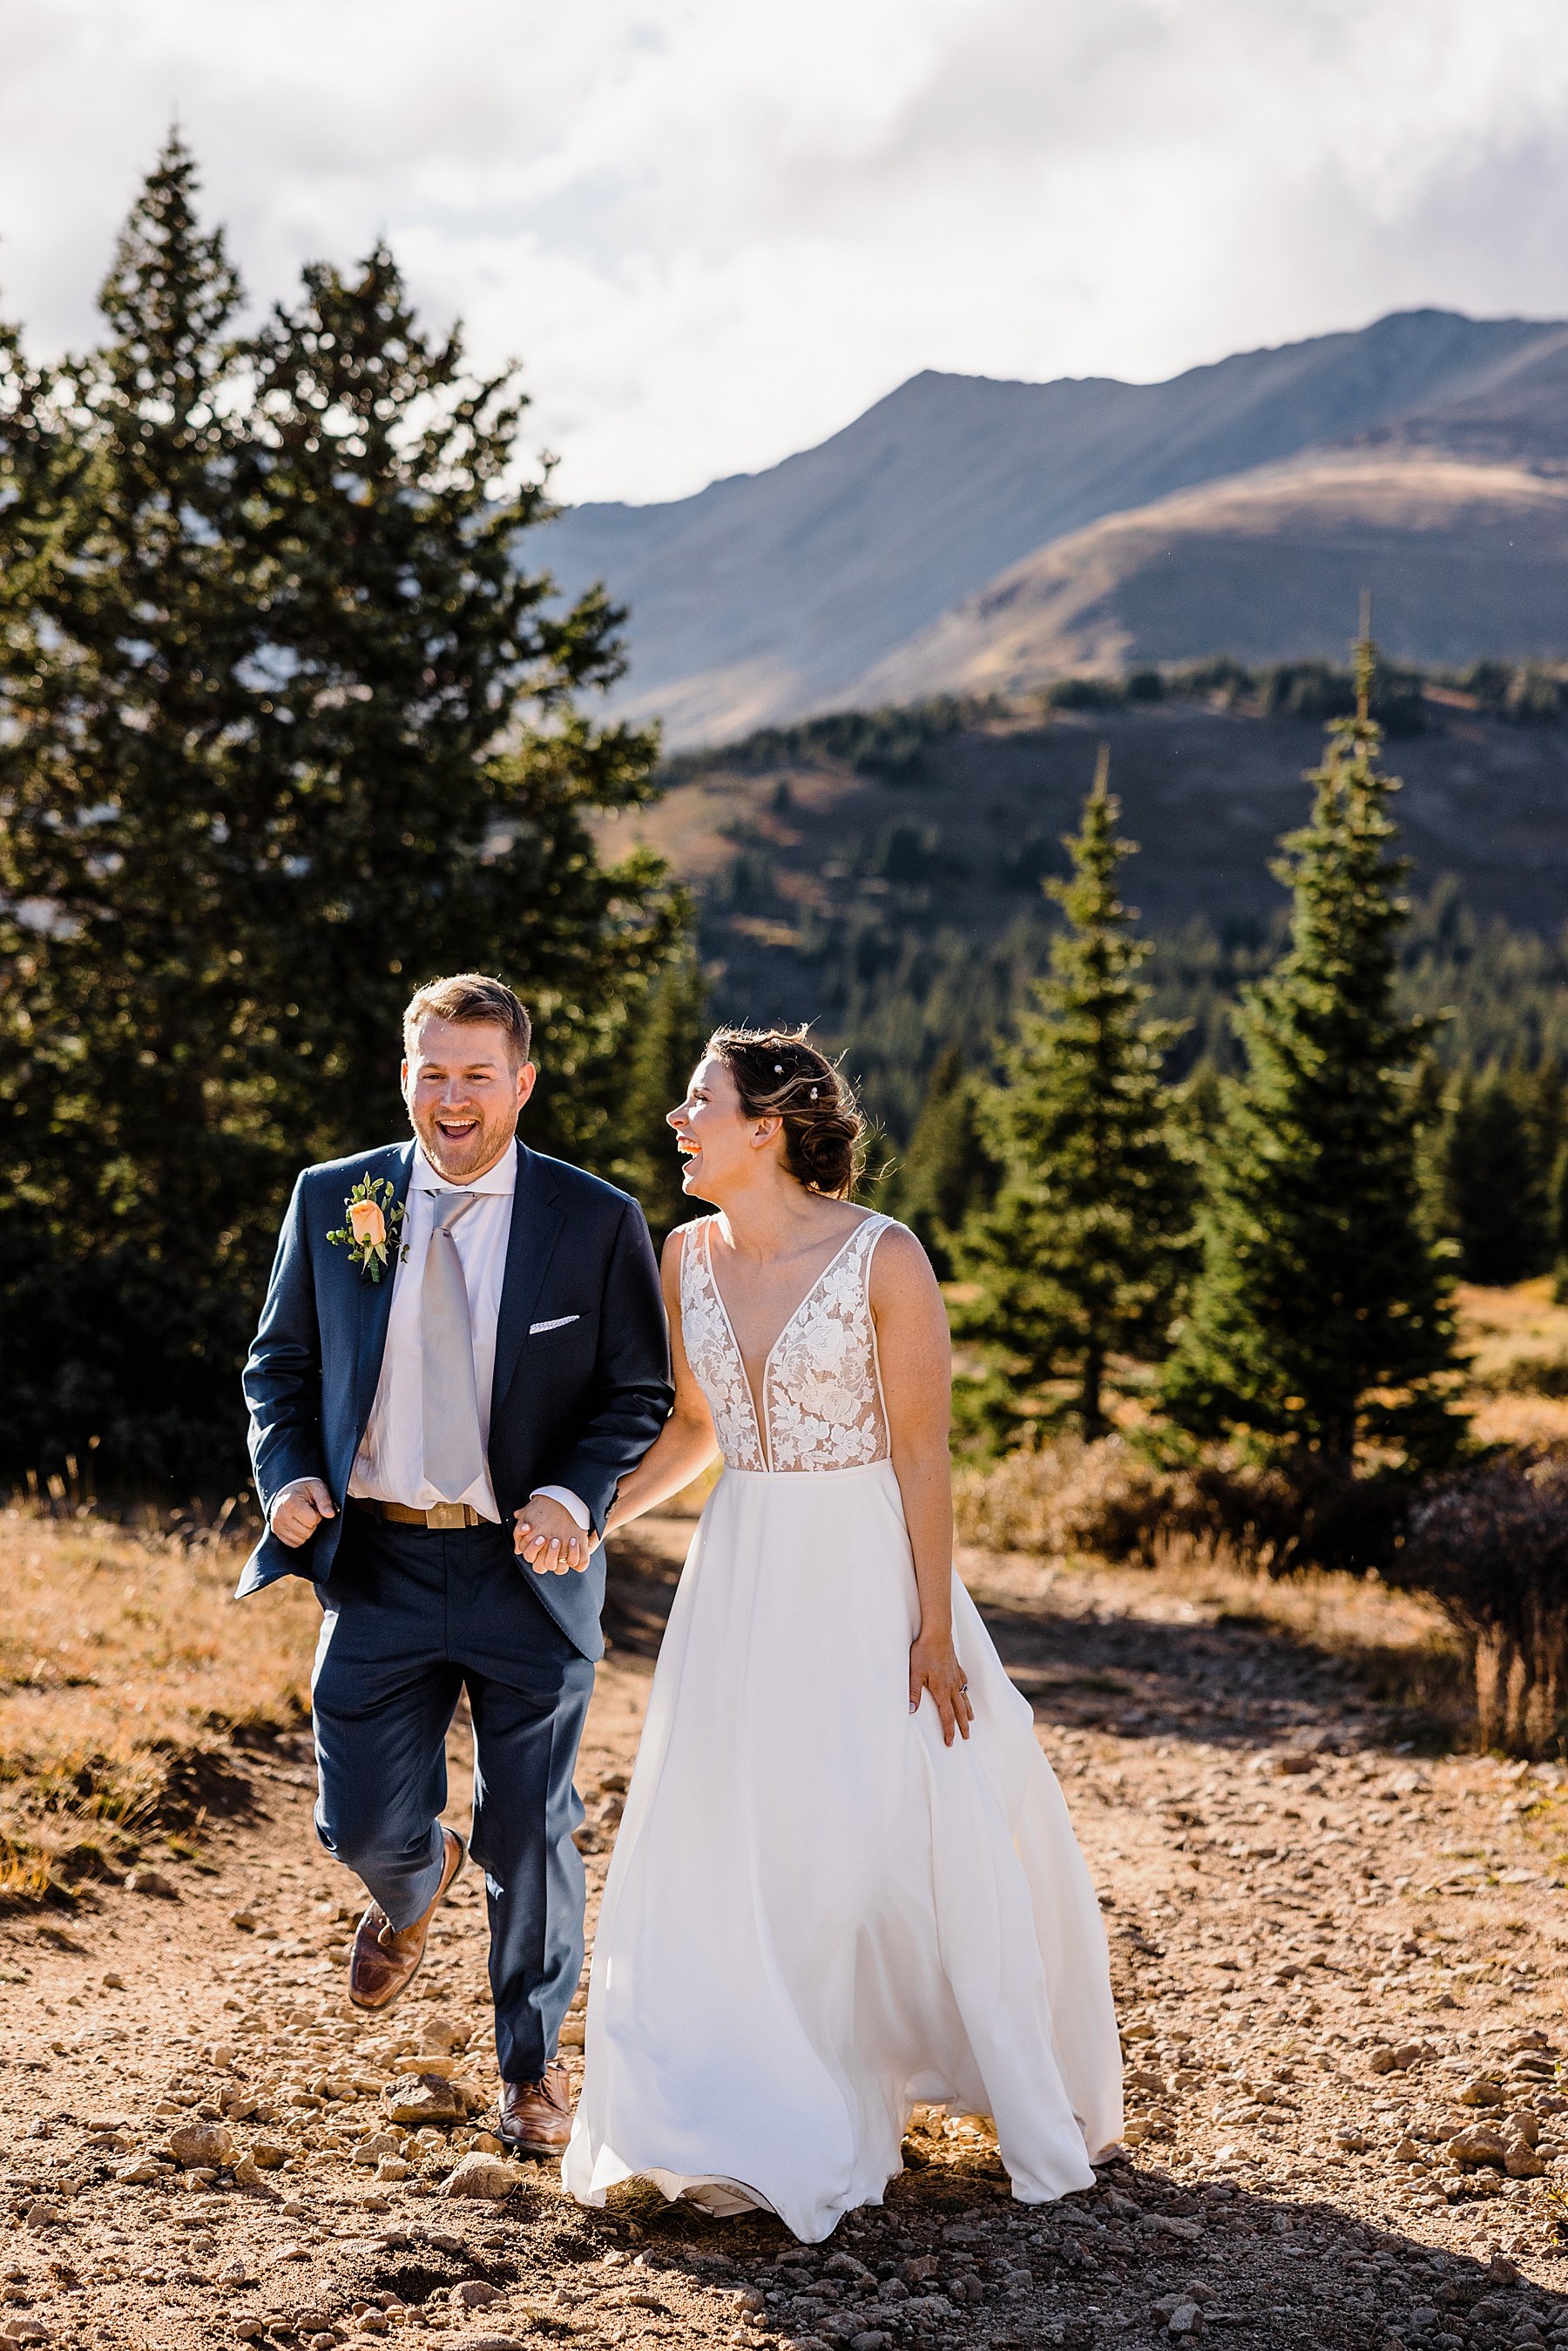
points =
(899, 1264)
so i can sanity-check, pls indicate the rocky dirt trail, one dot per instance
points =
(1339, 1969)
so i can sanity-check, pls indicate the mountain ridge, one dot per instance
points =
(768, 596)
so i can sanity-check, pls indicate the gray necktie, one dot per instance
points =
(454, 1456)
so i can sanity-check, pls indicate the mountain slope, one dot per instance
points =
(772, 594)
(1460, 556)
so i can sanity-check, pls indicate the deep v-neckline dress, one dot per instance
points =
(817, 1916)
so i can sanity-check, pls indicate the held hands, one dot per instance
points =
(299, 1511)
(549, 1538)
(933, 1665)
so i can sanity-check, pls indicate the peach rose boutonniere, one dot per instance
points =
(374, 1215)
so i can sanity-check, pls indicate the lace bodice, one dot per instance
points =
(821, 1386)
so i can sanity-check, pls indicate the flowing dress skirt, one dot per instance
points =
(817, 1916)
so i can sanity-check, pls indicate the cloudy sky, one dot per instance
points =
(714, 231)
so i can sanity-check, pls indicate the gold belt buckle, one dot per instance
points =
(448, 1514)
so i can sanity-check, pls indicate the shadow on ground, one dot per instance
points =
(1238, 1681)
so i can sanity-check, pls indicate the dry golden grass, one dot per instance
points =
(1517, 1339)
(123, 1663)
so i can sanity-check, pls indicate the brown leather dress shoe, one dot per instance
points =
(385, 1960)
(536, 2116)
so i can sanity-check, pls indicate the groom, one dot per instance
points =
(463, 1350)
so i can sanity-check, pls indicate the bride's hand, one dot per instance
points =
(933, 1665)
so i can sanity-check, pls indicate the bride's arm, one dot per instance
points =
(687, 1443)
(916, 1359)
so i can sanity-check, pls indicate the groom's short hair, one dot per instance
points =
(470, 996)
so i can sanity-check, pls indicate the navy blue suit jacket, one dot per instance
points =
(575, 1407)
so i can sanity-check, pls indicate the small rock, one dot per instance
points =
(1381, 2061)
(871, 2340)
(151, 1881)
(268, 2155)
(393, 2166)
(1355, 2142)
(1479, 2145)
(1483, 2091)
(487, 2143)
(845, 2265)
(489, 2343)
(485, 2176)
(197, 2146)
(476, 2294)
(1408, 2150)
(1167, 2224)
(1183, 2319)
(1502, 2271)
(426, 2098)
(247, 2330)
(1520, 2160)
(140, 2173)
(111, 1982)
(441, 2037)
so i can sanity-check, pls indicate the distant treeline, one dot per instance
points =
(889, 743)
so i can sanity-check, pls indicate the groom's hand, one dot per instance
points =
(299, 1511)
(549, 1538)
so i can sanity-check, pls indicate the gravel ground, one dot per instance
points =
(1339, 1972)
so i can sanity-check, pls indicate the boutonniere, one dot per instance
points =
(374, 1215)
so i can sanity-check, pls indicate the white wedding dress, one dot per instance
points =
(817, 1914)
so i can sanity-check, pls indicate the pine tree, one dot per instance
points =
(1082, 1254)
(285, 726)
(1494, 1179)
(1321, 1319)
(948, 1172)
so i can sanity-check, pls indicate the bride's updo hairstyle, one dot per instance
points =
(779, 1075)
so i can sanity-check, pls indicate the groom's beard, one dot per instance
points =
(459, 1155)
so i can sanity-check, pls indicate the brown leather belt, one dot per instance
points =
(443, 1514)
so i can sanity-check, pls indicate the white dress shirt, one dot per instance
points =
(390, 1465)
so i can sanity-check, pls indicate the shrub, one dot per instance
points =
(1111, 1500)
(1491, 1548)
(1106, 1498)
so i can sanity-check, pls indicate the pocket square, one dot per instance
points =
(560, 1323)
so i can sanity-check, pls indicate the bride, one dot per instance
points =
(845, 1881)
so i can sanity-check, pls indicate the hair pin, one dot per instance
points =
(777, 1068)
(813, 1093)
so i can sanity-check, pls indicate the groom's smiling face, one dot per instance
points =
(463, 1092)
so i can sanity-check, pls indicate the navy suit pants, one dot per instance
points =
(415, 1616)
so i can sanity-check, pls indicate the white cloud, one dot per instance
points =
(714, 230)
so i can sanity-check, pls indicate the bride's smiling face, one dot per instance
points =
(718, 1142)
